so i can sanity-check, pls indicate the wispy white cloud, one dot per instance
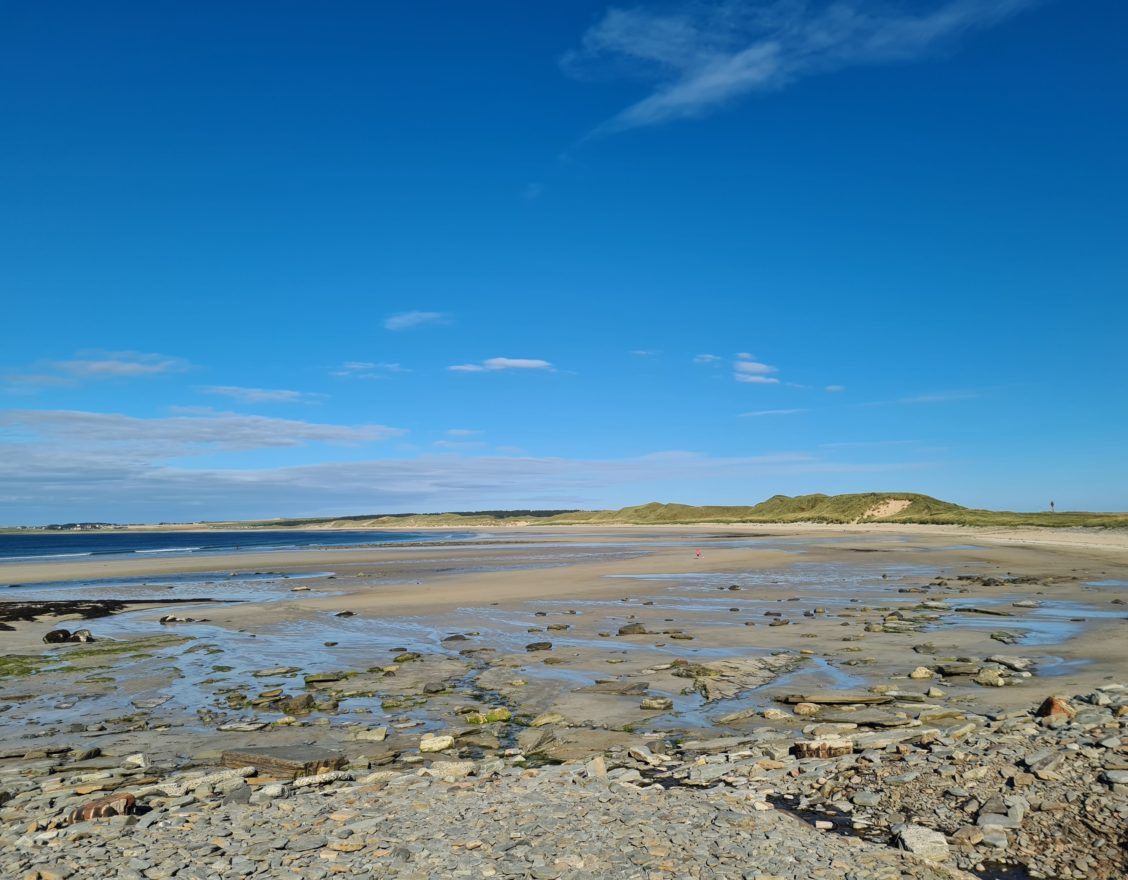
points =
(464, 432)
(502, 363)
(755, 380)
(753, 367)
(834, 389)
(91, 365)
(753, 372)
(645, 352)
(194, 431)
(366, 370)
(707, 359)
(408, 320)
(262, 395)
(97, 364)
(455, 445)
(709, 54)
(771, 412)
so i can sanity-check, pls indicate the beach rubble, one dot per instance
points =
(926, 804)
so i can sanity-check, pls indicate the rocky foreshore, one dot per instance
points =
(952, 792)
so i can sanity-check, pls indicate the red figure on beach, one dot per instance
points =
(698, 554)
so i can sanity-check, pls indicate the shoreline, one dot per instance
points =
(17, 572)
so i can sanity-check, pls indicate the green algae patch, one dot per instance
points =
(17, 665)
(493, 716)
(140, 647)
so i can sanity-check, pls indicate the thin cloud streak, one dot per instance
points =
(262, 395)
(409, 320)
(708, 55)
(98, 364)
(366, 370)
(502, 363)
(93, 365)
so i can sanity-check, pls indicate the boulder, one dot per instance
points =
(1053, 707)
(924, 842)
(435, 743)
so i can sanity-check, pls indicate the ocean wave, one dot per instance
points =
(170, 550)
(46, 556)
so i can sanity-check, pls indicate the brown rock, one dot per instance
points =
(1054, 706)
(114, 805)
(285, 762)
(822, 748)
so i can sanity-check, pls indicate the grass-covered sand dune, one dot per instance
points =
(865, 507)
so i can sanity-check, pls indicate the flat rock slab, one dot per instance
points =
(866, 718)
(720, 744)
(836, 699)
(285, 762)
(621, 688)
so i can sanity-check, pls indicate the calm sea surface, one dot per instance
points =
(75, 545)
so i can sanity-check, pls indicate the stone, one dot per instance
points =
(835, 698)
(321, 779)
(57, 636)
(921, 672)
(434, 743)
(923, 842)
(451, 769)
(114, 805)
(285, 762)
(538, 646)
(1055, 707)
(805, 709)
(968, 835)
(824, 748)
(274, 671)
(632, 629)
(374, 734)
(989, 678)
(299, 705)
(657, 704)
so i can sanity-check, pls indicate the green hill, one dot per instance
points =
(865, 507)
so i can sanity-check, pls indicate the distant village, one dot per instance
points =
(73, 527)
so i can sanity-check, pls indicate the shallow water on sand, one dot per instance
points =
(196, 674)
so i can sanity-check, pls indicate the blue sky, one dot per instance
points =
(287, 258)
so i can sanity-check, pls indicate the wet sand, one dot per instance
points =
(852, 598)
